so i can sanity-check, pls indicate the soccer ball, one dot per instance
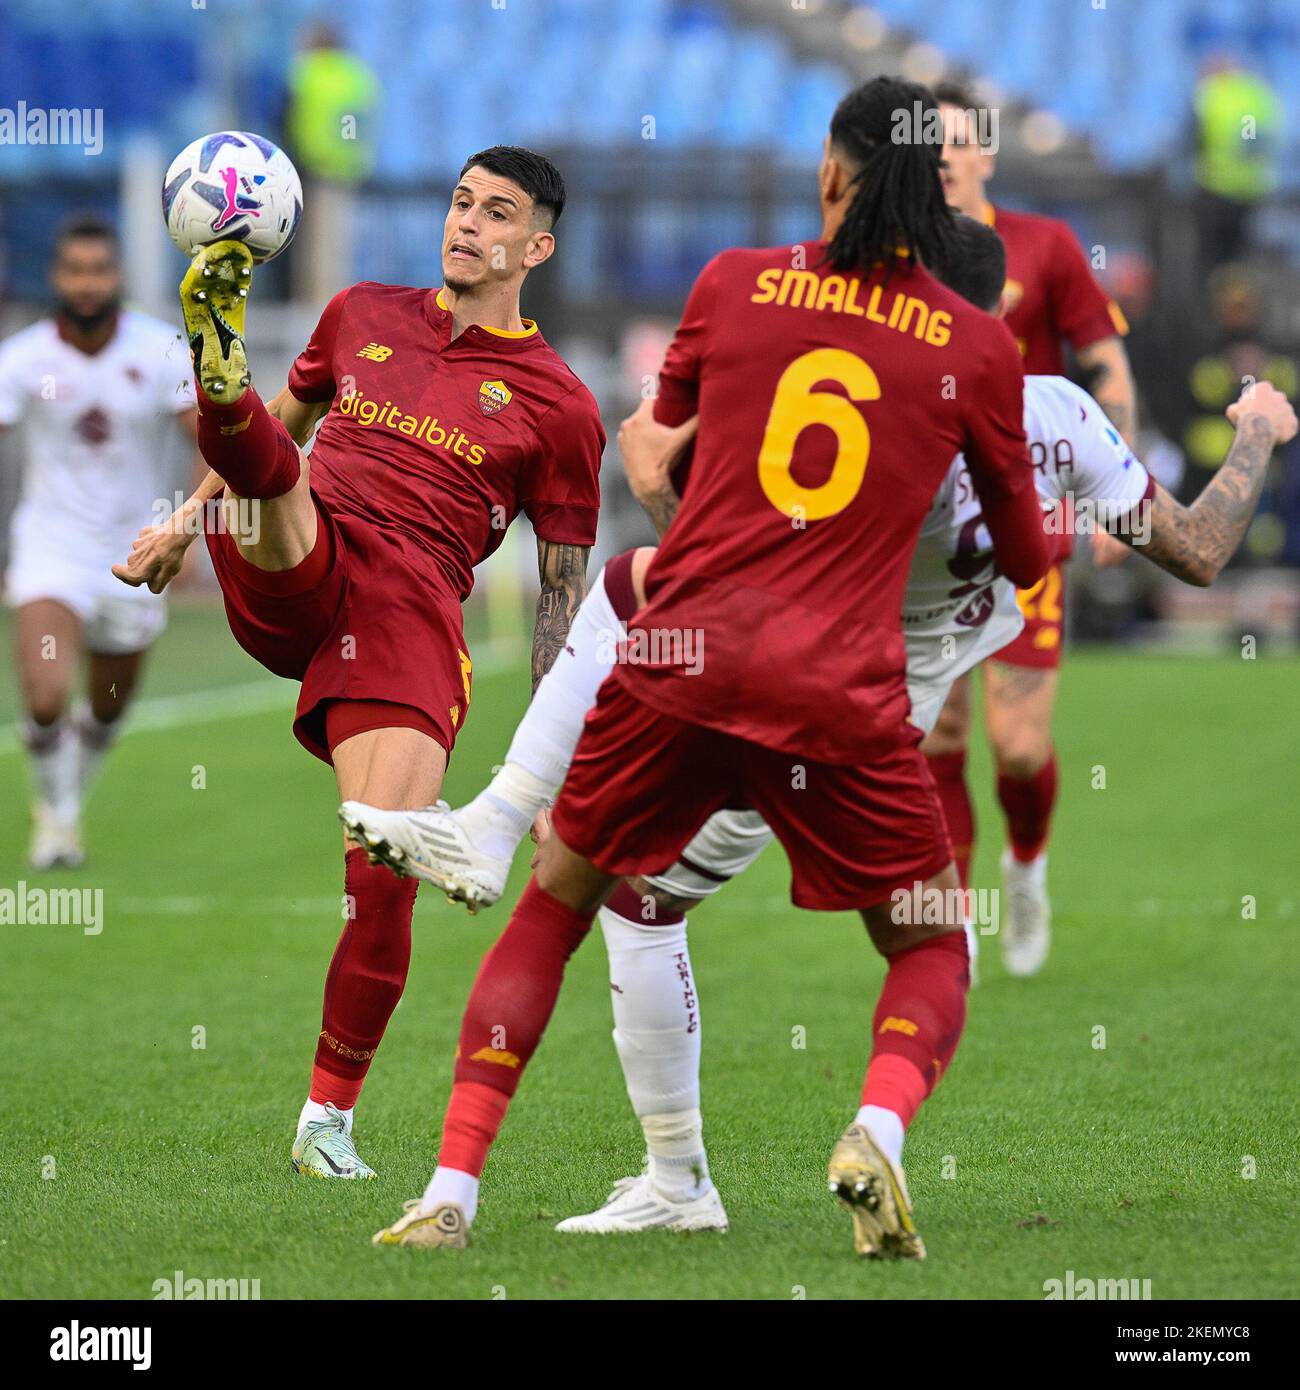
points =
(232, 185)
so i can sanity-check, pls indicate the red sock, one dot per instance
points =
(1027, 803)
(474, 1115)
(252, 453)
(365, 980)
(509, 1007)
(949, 772)
(917, 1024)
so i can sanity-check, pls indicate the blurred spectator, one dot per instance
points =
(329, 129)
(1239, 351)
(1238, 127)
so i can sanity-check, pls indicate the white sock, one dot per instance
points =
(548, 733)
(451, 1185)
(886, 1129)
(500, 816)
(679, 1167)
(1035, 870)
(54, 754)
(95, 739)
(314, 1110)
(657, 1036)
(972, 949)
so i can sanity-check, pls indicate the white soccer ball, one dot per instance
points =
(232, 185)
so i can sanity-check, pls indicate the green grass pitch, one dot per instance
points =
(128, 1152)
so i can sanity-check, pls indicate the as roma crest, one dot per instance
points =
(493, 397)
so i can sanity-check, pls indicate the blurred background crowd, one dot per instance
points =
(1163, 131)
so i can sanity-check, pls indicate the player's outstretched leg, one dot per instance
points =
(467, 852)
(657, 1035)
(508, 1010)
(214, 294)
(252, 453)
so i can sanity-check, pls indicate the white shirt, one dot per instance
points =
(952, 589)
(99, 431)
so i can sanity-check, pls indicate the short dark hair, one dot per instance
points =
(977, 268)
(959, 95)
(955, 94)
(533, 172)
(83, 226)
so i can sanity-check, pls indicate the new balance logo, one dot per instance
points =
(898, 1025)
(497, 1055)
(375, 352)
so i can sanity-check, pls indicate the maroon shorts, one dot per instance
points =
(378, 622)
(1040, 641)
(642, 783)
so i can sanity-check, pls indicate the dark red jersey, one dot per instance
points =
(831, 406)
(1051, 296)
(445, 441)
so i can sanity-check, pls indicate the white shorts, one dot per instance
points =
(726, 845)
(116, 619)
(935, 662)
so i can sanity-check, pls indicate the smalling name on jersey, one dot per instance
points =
(806, 289)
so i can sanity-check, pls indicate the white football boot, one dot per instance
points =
(431, 844)
(636, 1205)
(1026, 915)
(56, 840)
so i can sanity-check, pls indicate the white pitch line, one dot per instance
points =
(743, 906)
(237, 701)
(193, 707)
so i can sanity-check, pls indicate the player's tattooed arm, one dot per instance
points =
(1194, 543)
(1110, 380)
(660, 505)
(650, 452)
(563, 572)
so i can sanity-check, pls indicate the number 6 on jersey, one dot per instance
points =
(796, 407)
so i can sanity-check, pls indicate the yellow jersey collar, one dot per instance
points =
(527, 331)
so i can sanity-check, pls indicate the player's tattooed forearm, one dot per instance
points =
(1194, 543)
(661, 507)
(563, 573)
